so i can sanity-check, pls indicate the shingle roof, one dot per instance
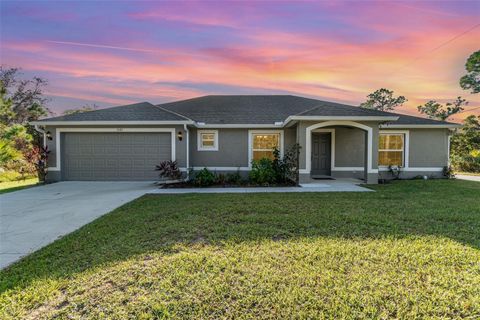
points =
(237, 109)
(143, 111)
(412, 120)
(260, 109)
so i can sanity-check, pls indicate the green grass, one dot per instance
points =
(9, 186)
(409, 250)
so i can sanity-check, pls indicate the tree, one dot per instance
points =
(465, 145)
(383, 100)
(85, 108)
(437, 111)
(21, 100)
(471, 81)
(8, 153)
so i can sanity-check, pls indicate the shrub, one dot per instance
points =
(169, 170)
(234, 178)
(263, 172)
(7, 176)
(467, 163)
(220, 178)
(204, 178)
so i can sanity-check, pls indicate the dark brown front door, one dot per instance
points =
(321, 154)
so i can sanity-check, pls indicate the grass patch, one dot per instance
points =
(9, 186)
(409, 250)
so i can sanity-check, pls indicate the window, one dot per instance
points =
(263, 144)
(207, 140)
(391, 149)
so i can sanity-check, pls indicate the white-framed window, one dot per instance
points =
(207, 140)
(263, 143)
(391, 149)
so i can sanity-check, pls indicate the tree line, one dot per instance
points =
(465, 143)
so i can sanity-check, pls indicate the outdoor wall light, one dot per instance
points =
(49, 135)
(180, 135)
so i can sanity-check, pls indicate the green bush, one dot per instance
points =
(7, 176)
(263, 172)
(233, 178)
(204, 178)
(467, 163)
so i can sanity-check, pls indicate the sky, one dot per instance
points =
(119, 52)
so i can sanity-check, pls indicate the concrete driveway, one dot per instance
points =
(35, 217)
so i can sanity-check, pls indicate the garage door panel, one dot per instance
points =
(114, 156)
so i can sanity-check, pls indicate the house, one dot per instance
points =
(225, 133)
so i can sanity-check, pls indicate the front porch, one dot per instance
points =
(338, 149)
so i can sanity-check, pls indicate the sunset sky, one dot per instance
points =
(112, 53)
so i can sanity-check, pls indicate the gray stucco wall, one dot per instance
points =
(232, 147)
(428, 147)
(349, 147)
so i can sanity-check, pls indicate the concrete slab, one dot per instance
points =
(35, 217)
(467, 177)
(325, 186)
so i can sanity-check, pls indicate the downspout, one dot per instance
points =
(37, 128)
(187, 141)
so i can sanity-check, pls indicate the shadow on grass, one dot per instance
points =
(155, 223)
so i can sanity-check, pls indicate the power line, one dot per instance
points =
(437, 47)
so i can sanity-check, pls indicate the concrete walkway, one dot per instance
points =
(35, 217)
(347, 185)
(467, 177)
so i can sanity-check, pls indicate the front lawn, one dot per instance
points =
(9, 186)
(409, 250)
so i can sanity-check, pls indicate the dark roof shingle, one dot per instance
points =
(260, 109)
(143, 111)
(237, 109)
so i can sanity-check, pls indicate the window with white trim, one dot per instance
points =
(207, 140)
(263, 145)
(391, 149)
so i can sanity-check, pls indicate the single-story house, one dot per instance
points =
(225, 133)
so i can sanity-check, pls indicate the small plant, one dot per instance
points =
(38, 156)
(448, 172)
(263, 172)
(395, 171)
(169, 170)
(233, 178)
(220, 178)
(204, 178)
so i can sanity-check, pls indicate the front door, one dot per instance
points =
(321, 154)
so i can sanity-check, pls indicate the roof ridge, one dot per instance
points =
(308, 110)
(172, 112)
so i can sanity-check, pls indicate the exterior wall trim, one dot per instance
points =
(250, 143)
(199, 140)
(119, 130)
(345, 118)
(420, 126)
(106, 123)
(406, 147)
(223, 168)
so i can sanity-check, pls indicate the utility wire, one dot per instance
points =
(437, 47)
